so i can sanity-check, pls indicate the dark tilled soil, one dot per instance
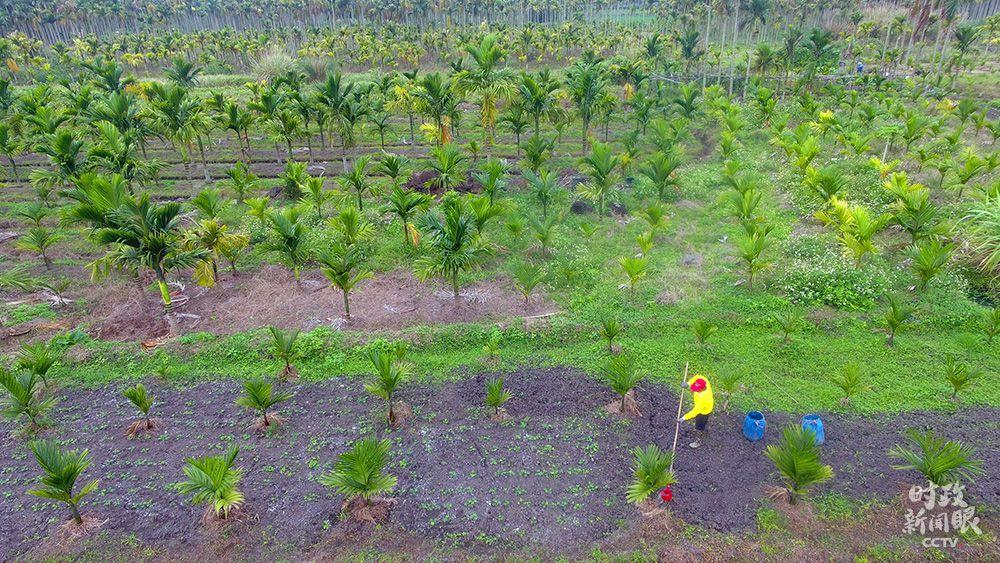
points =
(552, 478)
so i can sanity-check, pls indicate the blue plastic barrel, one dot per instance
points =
(813, 423)
(754, 426)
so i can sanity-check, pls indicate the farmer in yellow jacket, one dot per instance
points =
(704, 402)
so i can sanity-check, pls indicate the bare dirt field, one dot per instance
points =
(550, 479)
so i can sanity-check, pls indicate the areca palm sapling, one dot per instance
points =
(610, 329)
(797, 459)
(983, 221)
(991, 323)
(258, 207)
(635, 268)
(394, 166)
(143, 401)
(342, 267)
(623, 374)
(259, 396)
(39, 358)
(856, 227)
(687, 100)
(788, 323)
(729, 382)
(960, 376)
(652, 473)
(360, 473)
(390, 372)
(929, 259)
(826, 182)
(291, 239)
(209, 203)
(585, 84)
(293, 178)
(537, 151)
(751, 242)
(404, 204)
(356, 179)
(645, 241)
(655, 215)
(148, 234)
(489, 79)
(536, 95)
(10, 147)
(283, 347)
(491, 349)
(661, 169)
(60, 472)
(447, 162)
(17, 278)
(434, 97)
(497, 395)
(65, 153)
(527, 277)
(602, 166)
(544, 187)
(39, 240)
(941, 461)
(23, 400)
(214, 481)
(913, 209)
(452, 244)
(703, 330)
(316, 195)
(898, 313)
(493, 178)
(851, 381)
(352, 225)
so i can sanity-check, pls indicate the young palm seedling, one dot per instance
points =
(941, 461)
(38, 358)
(797, 459)
(652, 473)
(497, 396)
(788, 323)
(622, 375)
(22, 400)
(258, 396)
(60, 472)
(850, 381)
(729, 383)
(284, 349)
(361, 477)
(960, 376)
(390, 372)
(991, 323)
(214, 481)
(491, 349)
(610, 329)
(897, 314)
(143, 401)
(342, 266)
(636, 268)
(703, 330)
(526, 278)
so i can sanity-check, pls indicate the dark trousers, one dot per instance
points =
(700, 422)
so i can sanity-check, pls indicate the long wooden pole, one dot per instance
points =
(677, 429)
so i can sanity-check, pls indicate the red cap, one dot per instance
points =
(666, 495)
(698, 385)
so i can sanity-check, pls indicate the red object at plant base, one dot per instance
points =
(666, 495)
(698, 385)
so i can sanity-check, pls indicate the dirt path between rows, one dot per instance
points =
(552, 478)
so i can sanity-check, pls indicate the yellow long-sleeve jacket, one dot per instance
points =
(704, 401)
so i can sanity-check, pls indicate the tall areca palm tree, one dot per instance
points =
(404, 203)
